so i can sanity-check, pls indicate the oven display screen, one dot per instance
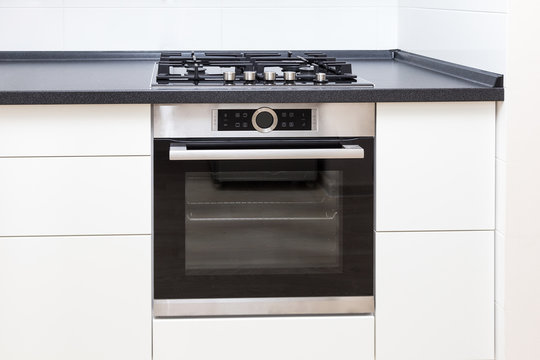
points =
(241, 120)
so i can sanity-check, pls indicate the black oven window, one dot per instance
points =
(263, 222)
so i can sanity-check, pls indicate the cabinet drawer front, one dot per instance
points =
(75, 196)
(83, 298)
(285, 338)
(435, 295)
(71, 130)
(435, 166)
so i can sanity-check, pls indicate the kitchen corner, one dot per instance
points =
(371, 177)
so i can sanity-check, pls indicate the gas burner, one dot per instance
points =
(253, 68)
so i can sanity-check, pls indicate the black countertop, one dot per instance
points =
(126, 77)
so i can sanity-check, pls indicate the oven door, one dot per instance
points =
(273, 226)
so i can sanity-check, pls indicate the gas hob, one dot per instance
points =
(254, 68)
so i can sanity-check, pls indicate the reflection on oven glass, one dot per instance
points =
(263, 222)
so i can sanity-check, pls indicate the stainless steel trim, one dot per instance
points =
(214, 120)
(254, 120)
(180, 152)
(264, 306)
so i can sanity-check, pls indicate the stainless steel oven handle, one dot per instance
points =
(180, 152)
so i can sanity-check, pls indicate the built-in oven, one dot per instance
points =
(263, 209)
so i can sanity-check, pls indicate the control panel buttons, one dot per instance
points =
(264, 119)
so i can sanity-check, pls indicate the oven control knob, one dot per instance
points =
(264, 120)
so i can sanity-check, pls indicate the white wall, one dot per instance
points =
(197, 24)
(522, 247)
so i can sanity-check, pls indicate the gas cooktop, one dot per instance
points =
(253, 68)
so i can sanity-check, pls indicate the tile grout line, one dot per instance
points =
(454, 10)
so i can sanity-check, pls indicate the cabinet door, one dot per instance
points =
(435, 166)
(65, 298)
(75, 196)
(435, 295)
(270, 338)
(74, 130)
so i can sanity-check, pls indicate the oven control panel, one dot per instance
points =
(264, 119)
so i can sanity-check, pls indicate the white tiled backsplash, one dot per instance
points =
(197, 24)
(467, 32)
(463, 31)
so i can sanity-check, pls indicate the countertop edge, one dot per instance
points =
(216, 96)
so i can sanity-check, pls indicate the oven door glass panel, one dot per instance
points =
(263, 228)
(263, 222)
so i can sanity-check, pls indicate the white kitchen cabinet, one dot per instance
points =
(435, 166)
(265, 338)
(434, 295)
(85, 297)
(75, 130)
(75, 196)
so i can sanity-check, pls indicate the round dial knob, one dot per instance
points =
(320, 77)
(289, 75)
(229, 75)
(264, 119)
(269, 75)
(250, 75)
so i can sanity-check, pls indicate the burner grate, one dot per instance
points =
(200, 68)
